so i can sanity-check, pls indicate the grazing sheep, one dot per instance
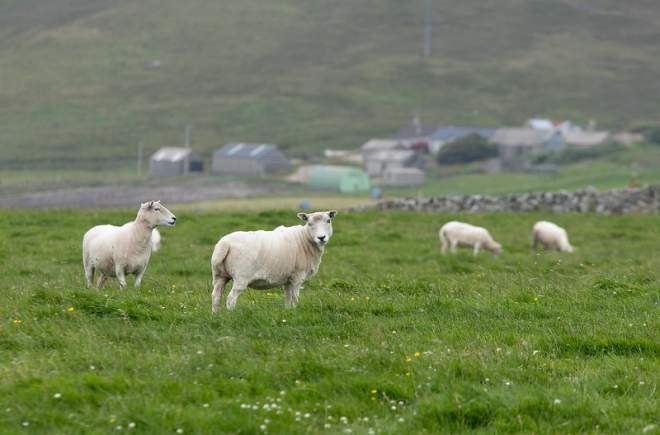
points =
(550, 236)
(155, 240)
(458, 234)
(120, 251)
(286, 257)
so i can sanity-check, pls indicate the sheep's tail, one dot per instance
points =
(444, 241)
(220, 253)
(443, 236)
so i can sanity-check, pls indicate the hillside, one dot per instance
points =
(83, 81)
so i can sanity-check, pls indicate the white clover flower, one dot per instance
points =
(557, 401)
(57, 395)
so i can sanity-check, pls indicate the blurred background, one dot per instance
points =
(420, 97)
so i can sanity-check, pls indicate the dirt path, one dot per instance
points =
(128, 196)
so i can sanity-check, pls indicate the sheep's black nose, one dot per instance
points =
(174, 218)
(321, 238)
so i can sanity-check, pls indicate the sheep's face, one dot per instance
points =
(497, 250)
(319, 225)
(156, 214)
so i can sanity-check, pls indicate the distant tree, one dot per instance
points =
(653, 135)
(470, 148)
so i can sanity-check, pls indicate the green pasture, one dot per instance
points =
(389, 338)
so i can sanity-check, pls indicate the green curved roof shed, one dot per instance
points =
(344, 179)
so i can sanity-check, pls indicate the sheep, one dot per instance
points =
(155, 240)
(286, 256)
(120, 251)
(458, 234)
(550, 236)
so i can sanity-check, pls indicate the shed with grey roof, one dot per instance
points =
(376, 163)
(249, 159)
(174, 161)
(403, 177)
(516, 144)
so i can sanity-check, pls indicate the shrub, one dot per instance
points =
(573, 155)
(470, 148)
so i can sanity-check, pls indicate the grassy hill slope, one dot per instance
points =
(79, 88)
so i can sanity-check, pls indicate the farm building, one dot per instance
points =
(548, 124)
(344, 179)
(376, 163)
(403, 177)
(174, 161)
(376, 145)
(583, 139)
(249, 158)
(515, 144)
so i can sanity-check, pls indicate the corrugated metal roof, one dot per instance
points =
(391, 155)
(173, 154)
(247, 150)
(451, 133)
(381, 144)
(519, 136)
(585, 138)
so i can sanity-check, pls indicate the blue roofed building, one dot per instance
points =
(249, 159)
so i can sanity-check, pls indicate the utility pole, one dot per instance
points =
(139, 161)
(427, 29)
(186, 161)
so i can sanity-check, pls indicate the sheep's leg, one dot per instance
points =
(443, 248)
(236, 290)
(454, 245)
(89, 274)
(102, 279)
(121, 276)
(138, 277)
(476, 248)
(291, 292)
(288, 294)
(219, 284)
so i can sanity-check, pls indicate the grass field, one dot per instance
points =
(390, 337)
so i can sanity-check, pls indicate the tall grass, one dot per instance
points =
(389, 337)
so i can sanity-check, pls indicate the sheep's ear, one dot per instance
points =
(303, 217)
(151, 204)
(332, 213)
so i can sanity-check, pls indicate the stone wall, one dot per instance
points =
(611, 202)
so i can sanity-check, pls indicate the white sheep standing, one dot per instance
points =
(550, 236)
(156, 240)
(286, 256)
(459, 234)
(120, 251)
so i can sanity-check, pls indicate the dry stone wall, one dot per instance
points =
(610, 202)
